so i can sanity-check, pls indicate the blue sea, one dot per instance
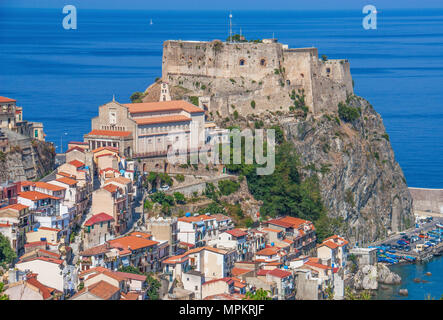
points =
(60, 77)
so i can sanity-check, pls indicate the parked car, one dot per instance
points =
(164, 187)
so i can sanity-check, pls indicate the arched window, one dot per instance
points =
(242, 62)
(263, 62)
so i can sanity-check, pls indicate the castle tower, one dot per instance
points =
(164, 92)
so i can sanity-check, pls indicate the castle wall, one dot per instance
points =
(231, 75)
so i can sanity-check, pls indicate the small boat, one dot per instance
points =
(151, 23)
(438, 225)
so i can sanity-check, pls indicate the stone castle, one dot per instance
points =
(250, 77)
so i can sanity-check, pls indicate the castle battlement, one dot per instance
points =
(254, 77)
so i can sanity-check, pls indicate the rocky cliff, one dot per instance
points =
(359, 176)
(27, 159)
(348, 148)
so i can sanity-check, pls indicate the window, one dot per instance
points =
(328, 70)
(263, 62)
(36, 133)
(242, 62)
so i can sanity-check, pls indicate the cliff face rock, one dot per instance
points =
(27, 160)
(369, 277)
(360, 180)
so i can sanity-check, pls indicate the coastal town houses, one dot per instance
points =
(8, 192)
(333, 251)
(15, 221)
(300, 231)
(49, 271)
(164, 228)
(144, 129)
(136, 249)
(29, 288)
(112, 200)
(11, 118)
(197, 230)
(245, 242)
(98, 229)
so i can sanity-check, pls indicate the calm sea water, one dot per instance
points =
(61, 77)
(432, 288)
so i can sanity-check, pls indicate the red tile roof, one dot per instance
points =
(237, 233)
(279, 273)
(110, 188)
(35, 195)
(132, 243)
(97, 218)
(82, 150)
(16, 206)
(5, 99)
(101, 289)
(50, 229)
(176, 259)
(105, 148)
(49, 186)
(95, 250)
(67, 181)
(165, 119)
(77, 164)
(239, 271)
(267, 251)
(132, 276)
(198, 218)
(46, 259)
(109, 133)
(35, 244)
(163, 106)
(44, 290)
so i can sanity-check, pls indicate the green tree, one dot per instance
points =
(227, 187)
(129, 269)
(7, 254)
(347, 113)
(137, 97)
(3, 296)
(179, 198)
(153, 287)
(260, 294)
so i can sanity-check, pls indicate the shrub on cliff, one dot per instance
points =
(347, 113)
(137, 97)
(227, 187)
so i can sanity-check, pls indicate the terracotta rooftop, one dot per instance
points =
(5, 99)
(237, 233)
(77, 164)
(101, 289)
(105, 148)
(35, 195)
(165, 119)
(49, 186)
(109, 133)
(131, 243)
(110, 188)
(67, 181)
(279, 273)
(163, 106)
(267, 251)
(198, 218)
(95, 250)
(16, 206)
(82, 150)
(239, 271)
(97, 218)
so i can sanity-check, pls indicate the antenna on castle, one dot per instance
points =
(230, 26)
(113, 97)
